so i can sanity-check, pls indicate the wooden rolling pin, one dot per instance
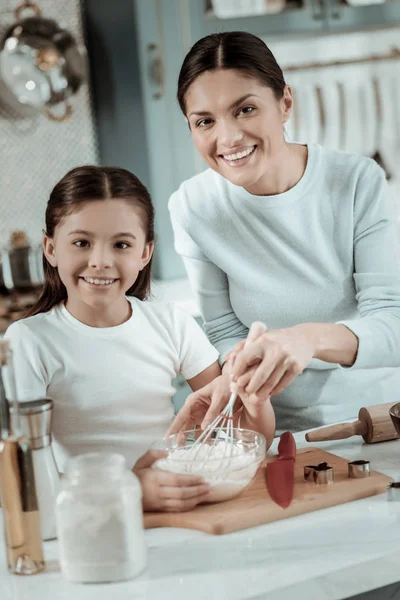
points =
(374, 424)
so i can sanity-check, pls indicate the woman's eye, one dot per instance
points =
(81, 243)
(203, 123)
(121, 245)
(246, 110)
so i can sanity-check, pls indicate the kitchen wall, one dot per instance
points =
(36, 153)
(366, 116)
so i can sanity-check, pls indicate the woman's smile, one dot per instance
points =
(239, 159)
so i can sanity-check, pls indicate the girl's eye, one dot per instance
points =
(122, 245)
(246, 110)
(203, 123)
(81, 243)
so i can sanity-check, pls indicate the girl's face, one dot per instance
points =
(237, 125)
(99, 251)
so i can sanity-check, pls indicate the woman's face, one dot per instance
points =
(237, 125)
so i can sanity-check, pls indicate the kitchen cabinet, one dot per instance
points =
(302, 17)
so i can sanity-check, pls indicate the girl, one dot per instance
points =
(105, 356)
(296, 235)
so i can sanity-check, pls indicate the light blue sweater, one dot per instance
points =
(327, 250)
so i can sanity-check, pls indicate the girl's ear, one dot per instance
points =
(147, 254)
(49, 250)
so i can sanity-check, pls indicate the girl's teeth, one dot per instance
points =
(99, 281)
(239, 154)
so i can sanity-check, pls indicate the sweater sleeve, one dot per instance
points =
(376, 273)
(211, 291)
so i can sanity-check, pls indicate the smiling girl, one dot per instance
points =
(93, 344)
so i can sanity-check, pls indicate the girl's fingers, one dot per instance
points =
(148, 459)
(185, 493)
(176, 505)
(167, 479)
(219, 400)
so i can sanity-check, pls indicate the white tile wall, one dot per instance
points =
(35, 154)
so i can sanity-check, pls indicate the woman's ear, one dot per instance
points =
(49, 250)
(147, 254)
(286, 103)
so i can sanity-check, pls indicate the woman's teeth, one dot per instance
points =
(99, 281)
(239, 154)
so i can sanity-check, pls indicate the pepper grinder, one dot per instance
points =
(18, 496)
(35, 419)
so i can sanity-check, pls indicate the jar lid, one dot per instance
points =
(103, 465)
(99, 467)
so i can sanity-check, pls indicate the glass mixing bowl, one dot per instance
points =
(228, 462)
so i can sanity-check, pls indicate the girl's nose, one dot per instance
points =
(100, 258)
(229, 133)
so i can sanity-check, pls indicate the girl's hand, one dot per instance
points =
(204, 405)
(168, 492)
(266, 366)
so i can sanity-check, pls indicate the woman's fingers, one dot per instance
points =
(259, 377)
(250, 355)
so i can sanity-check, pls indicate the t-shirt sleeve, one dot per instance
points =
(209, 285)
(195, 352)
(29, 368)
(377, 273)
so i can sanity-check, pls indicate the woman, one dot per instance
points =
(298, 236)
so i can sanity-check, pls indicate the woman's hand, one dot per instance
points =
(267, 365)
(168, 492)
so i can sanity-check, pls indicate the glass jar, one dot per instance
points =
(99, 520)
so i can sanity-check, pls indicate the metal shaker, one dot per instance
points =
(35, 421)
(18, 498)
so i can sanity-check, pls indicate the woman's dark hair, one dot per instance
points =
(78, 187)
(231, 50)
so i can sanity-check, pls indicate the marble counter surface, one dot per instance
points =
(330, 554)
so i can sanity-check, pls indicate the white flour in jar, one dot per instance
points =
(228, 468)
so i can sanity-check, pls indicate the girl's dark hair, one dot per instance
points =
(231, 50)
(86, 184)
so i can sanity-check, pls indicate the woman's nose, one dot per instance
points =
(100, 258)
(229, 133)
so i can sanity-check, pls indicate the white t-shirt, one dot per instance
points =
(111, 387)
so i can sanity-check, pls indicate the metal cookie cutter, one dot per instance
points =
(320, 474)
(358, 469)
(393, 491)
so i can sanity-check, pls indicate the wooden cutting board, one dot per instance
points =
(255, 507)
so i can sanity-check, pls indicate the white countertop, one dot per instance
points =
(330, 554)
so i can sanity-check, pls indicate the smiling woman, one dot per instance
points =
(299, 237)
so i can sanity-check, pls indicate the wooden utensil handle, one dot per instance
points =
(337, 432)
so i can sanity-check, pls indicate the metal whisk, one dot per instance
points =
(221, 429)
